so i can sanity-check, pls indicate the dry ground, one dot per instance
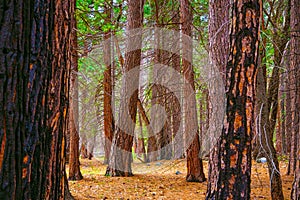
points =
(158, 180)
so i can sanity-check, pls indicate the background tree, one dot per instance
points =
(107, 84)
(295, 65)
(194, 162)
(73, 118)
(120, 157)
(219, 24)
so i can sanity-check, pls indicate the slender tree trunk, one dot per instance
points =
(121, 151)
(34, 77)
(107, 85)
(176, 101)
(151, 152)
(218, 36)
(74, 164)
(268, 101)
(295, 64)
(283, 113)
(194, 162)
(140, 147)
(234, 148)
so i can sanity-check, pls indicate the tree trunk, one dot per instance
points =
(283, 113)
(175, 101)
(295, 64)
(107, 85)
(74, 164)
(234, 147)
(121, 151)
(152, 147)
(140, 144)
(194, 162)
(218, 36)
(34, 77)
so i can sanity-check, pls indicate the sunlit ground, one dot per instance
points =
(158, 180)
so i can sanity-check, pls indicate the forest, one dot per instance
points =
(157, 99)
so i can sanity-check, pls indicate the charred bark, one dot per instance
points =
(234, 147)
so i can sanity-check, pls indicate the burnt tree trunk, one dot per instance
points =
(194, 162)
(121, 151)
(35, 67)
(234, 147)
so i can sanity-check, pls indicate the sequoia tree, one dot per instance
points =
(234, 148)
(121, 151)
(107, 86)
(194, 162)
(35, 61)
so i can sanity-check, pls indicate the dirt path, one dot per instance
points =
(158, 180)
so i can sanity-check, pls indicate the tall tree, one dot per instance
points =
(34, 77)
(293, 76)
(234, 148)
(73, 129)
(175, 101)
(295, 64)
(121, 152)
(219, 24)
(107, 85)
(194, 162)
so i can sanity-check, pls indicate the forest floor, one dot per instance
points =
(158, 180)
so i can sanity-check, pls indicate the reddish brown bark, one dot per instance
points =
(295, 64)
(107, 85)
(73, 129)
(194, 162)
(121, 155)
(34, 77)
(176, 100)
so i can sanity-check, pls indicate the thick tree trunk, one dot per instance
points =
(194, 162)
(121, 151)
(295, 64)
(234, 147)
(34, 77)
(218, 52)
